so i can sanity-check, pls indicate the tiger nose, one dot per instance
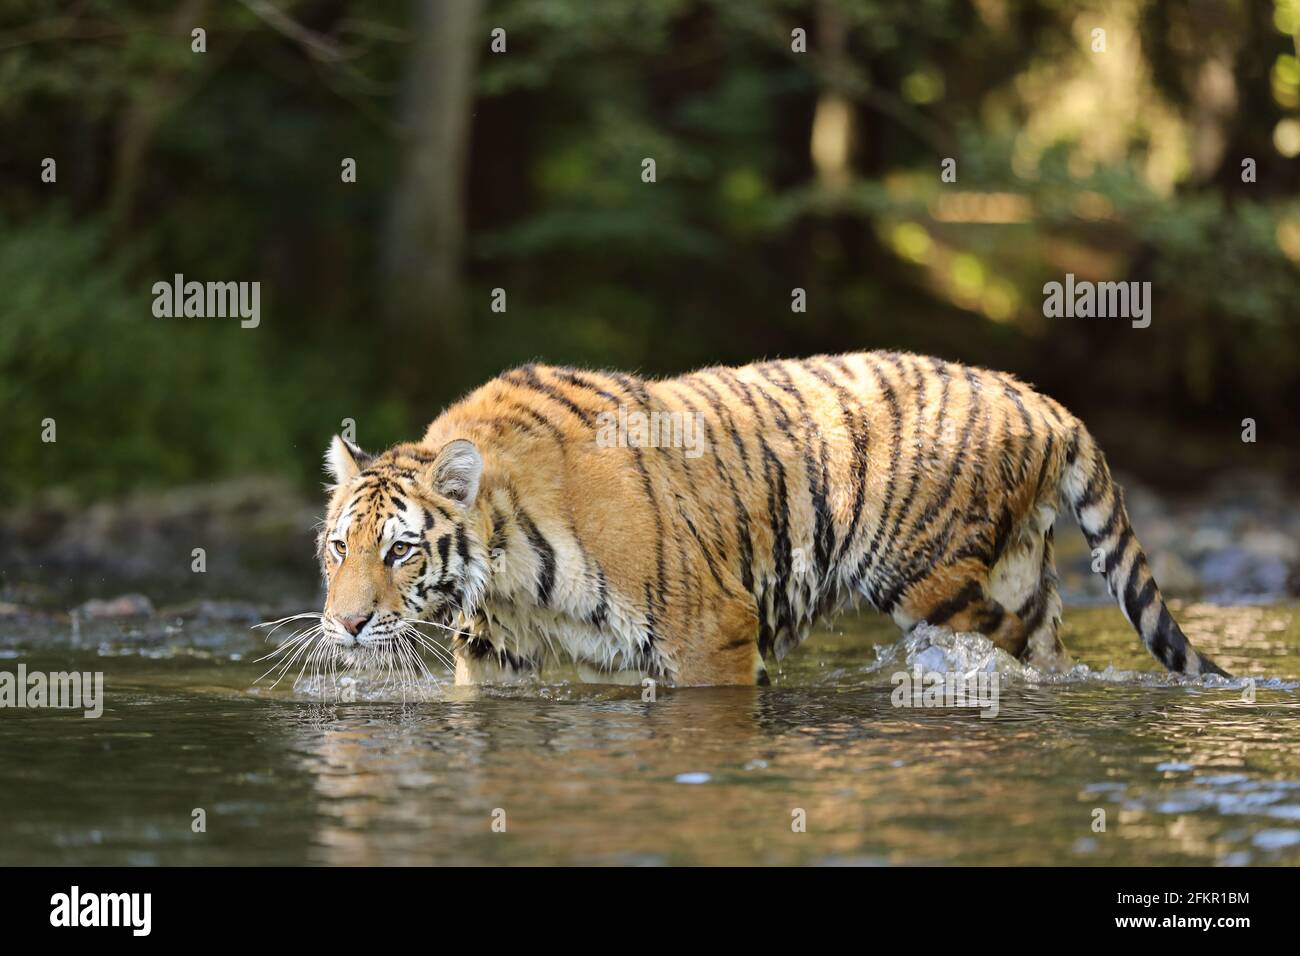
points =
(355, 623)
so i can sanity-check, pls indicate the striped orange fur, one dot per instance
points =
(922, 488)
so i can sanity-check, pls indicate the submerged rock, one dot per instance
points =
(124, 605)
(19, 612)
(217, 610)
(1236, 573)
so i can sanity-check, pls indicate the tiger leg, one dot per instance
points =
(957, 597)
(1042, 616)
(722, 649)
(1024, 579)
(477, 662)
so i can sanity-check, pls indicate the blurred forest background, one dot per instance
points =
(521, 170)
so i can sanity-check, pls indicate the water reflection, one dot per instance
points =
(1180, 774)
(720, 776)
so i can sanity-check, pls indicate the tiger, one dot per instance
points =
(539, 520)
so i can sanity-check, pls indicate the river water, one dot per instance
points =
(192, 762)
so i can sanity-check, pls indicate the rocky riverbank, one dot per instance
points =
(208, 550)
(1236, 541)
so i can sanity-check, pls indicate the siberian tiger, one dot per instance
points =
(539, 519)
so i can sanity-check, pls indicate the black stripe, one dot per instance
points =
(1116, 515)
(1036, 615)
(1092, 491)
(724, 473)
(1171, 645)
(782, 417)
(823, 524)
(637, 391)
(704, 549)
(601, 613)
(551, 428)
(868, 560)
(990, 619)
(973, 548)
(1116, 557)
(633, 386)
(661, 567)
(905, 506)
(498, 539)
(955, 604)
(928, 550)
(935, 507)
(1048, 446)
(1002, 534)
(838, 362)
(1022, 449)
(766, 639)
(1072, 452)
(479, 649)
(729, 423)
(778, 508)
(861, 437)
(581, 381)
(545, 556)
(1136, 602)
(526, 377)
(728, 378)
(718, 535)
(650, 633)
(462, 545)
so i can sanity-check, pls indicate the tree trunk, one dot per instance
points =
(143, 115)
(426, 219)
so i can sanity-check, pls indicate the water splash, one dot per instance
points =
(942, 651)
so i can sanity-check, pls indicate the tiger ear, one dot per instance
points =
(344, 460)
(457, 470)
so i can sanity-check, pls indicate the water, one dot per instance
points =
(1185, 774)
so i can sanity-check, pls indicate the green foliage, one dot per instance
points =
(237, 178)
(135, 399)
(141, 401)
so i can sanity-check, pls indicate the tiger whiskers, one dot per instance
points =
(411, 651)
(307, 640)
(309, 646)
(440, 626)
(396, 659)
(411, 629)
(281, 622)
(394, 653)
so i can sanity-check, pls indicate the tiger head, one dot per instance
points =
(399, 543)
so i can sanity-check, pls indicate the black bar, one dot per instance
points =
(334, 906)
